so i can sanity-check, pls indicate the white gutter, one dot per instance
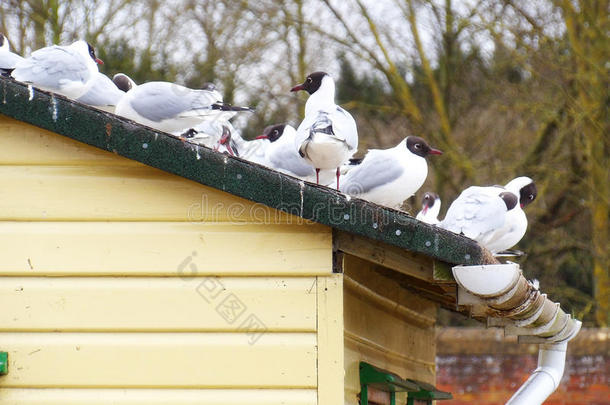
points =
(500, 293)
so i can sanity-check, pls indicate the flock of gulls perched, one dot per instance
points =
(320, 149)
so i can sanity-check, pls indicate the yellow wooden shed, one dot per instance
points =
(137, 268)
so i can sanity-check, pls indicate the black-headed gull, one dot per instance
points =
(431, 206)
(390, 176)
(172, 108)
(220, 135)
(8, 59)
(327, 137)
(493, 216)
(67, 70)
(281, 154)
(123, 82)
(208, 133)
(252, 150)
(515, 225)
(103, 94)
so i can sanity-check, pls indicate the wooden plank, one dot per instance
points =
(375, 353)
(79, 396)
(330, 340)
(390, 332)
(169, 248)
(159, 360)
(392, 257)
(400, 311)
(115, 193)
(156, 304)
(24, 144)
(412, 308)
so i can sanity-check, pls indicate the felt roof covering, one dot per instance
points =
(234, 175)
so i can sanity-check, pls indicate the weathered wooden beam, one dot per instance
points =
(401, 260)
(443, 294)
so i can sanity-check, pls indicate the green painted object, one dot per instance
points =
(371, 376)
(427, 393)
(3, 363)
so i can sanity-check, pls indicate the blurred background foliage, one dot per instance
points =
(504, 87)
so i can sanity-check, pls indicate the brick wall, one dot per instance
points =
(481, 366)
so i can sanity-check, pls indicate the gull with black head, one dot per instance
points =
(281, 155)
(67, 70)
(327, 137)
(431, 206)
(123, 82)
(390, 176)
(493, 216)
(173, 108)
(515, 225)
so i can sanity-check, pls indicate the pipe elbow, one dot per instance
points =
(553, 373)
(545, 379)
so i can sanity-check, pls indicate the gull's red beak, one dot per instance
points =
(99, 61)
(262, 137)
(297, 88)
(425, 209)
(435, 152)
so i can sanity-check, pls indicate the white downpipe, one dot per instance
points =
(545, 379)
(525, 313)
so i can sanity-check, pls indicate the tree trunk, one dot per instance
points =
(589, 49)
